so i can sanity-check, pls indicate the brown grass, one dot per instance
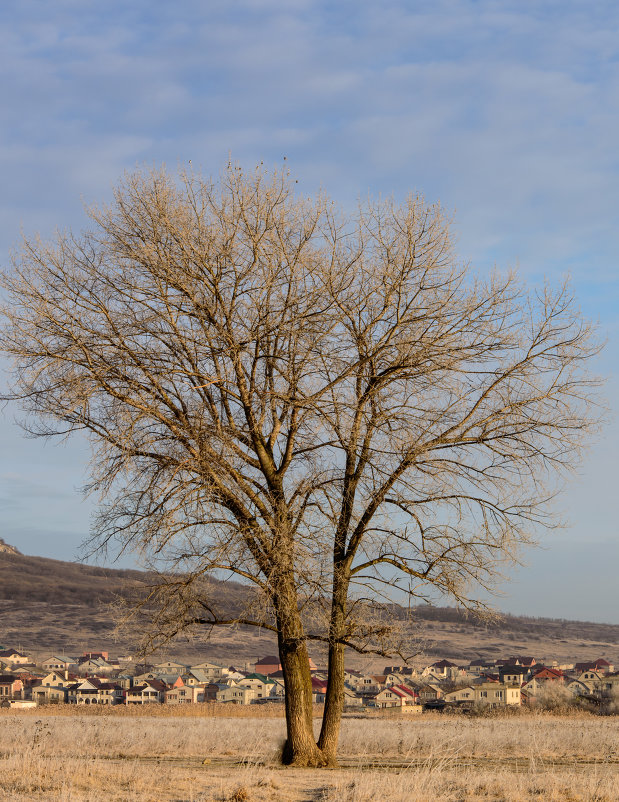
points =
(143, 758)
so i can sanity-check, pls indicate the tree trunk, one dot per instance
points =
(334, 701)
(334, 704)
(300, 748)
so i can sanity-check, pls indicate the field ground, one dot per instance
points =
(135, 756)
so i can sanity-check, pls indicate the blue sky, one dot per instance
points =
(506, 112)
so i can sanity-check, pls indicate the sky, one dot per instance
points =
(505, 112)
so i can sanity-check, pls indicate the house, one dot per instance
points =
(60, 679)
(362, 683)
(11, 657)
(267, 665)
(550, 674)
(170, 667)
(396, 696)
(526, 661)
(404, 671)
(55, 663)
(124, 681)
(184, 694)
(110, 694)
(265, 687)
(601, 666)
(11, 687)
(196, 676)
(149, 692)
(464, 694)
(491, 694)
(486, 676)
(392, 679)
(94, 691)
(95, 665)
(93, 655)
(232, 675)
(592, 679)
(497, 694)
(319, 690)
(429, 692)
(532, 687)
(210, 692)
(352, 699)
(49, 694)
(579, 688)
(236, 694)
(598, 684)
(442, 669)
(271, 665)
(513, 673)
(210, 670)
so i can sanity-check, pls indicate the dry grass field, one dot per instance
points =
(124, 756)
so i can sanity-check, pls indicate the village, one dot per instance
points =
(96, 678)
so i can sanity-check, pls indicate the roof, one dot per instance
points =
(199, 673)
(591, 665)
(261, 677)
(523, 661)
(267, 661)
(544, 669)
(407, 690)
(277, 674)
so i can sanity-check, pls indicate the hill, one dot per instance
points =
(54, 605)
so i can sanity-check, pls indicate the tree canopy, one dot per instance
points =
(330, 407)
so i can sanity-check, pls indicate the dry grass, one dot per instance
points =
(209, 710)
(143, 758)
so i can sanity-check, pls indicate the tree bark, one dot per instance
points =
(334, 704)
(334, 701)
(300, 748)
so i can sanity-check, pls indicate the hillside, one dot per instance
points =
(49, 604)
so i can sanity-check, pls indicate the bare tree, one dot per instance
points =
(330, 408)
